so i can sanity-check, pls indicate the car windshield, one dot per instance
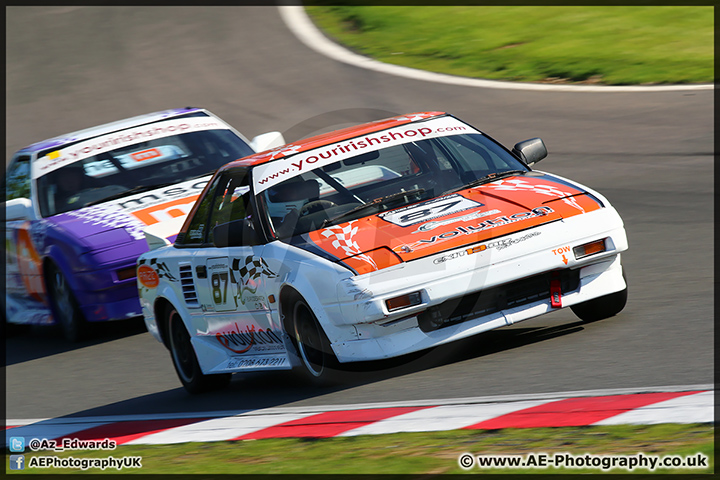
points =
(384, 179)
(138, 167)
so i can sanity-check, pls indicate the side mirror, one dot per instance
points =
(19, 209)
(530, 151)
(235, 234)
(268, 140)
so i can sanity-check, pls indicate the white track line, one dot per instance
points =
(696, 408)
(216, 430)
(437, 419)
(299, 24)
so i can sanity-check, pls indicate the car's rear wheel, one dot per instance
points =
(312, 344)
(602, 307)
(64, 305)
(184, 359)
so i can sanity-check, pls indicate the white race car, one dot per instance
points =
(373, 242)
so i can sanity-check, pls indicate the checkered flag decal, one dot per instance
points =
(161, 268)
(251, 268)
(343, 239)
(518, 185)
(248, 269)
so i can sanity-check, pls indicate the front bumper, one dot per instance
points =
(445, 278)
(405, 336)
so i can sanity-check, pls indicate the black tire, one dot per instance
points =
(64, 306)
(602, 307)
(319, 361)
(184, 359)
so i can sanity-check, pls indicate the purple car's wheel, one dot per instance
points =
(64, 306)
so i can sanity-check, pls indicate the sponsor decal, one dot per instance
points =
(500, 244)
(166, 211)
(147, 276)
(257, 361)
(131, 136)
(145, 209)
(182, 191)
(160, 267)
(426, 227)
(198, 232)
(272, 173)
(509, 242)
(422, 212)
(145, 154)
(239, 340)
(458, 254)
(482, 226)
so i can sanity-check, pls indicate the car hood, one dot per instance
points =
(121, 221)
(468, 217)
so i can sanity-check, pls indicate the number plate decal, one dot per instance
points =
(425, 211)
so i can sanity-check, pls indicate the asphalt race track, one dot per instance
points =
(650, 153)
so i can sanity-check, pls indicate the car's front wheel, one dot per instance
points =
(312, 344)
(184, 359)
(65, 306)
(602, 307)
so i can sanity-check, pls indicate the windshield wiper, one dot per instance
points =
(490, 177)
(372, 203)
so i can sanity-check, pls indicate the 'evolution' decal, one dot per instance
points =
(426, 227)
(238, 340)
(486, 225)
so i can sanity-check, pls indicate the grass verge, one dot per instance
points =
(410, 453)
(611, 45)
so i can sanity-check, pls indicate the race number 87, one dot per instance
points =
(219, 283)
(425, 212)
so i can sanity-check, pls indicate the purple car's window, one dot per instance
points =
(137, 167)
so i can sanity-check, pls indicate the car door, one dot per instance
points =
(234, 280)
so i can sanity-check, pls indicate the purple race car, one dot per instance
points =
(76, 207)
